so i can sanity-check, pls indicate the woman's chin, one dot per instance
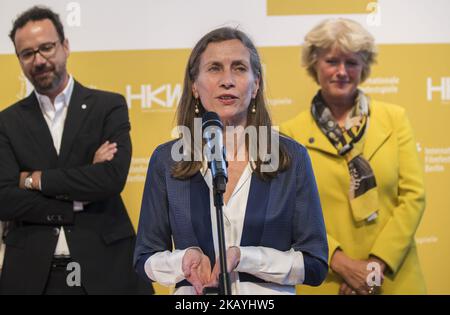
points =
(233, 119)
(342, 94)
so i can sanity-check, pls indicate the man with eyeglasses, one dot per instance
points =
(65, 154)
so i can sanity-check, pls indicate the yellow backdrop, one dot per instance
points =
(413, 76)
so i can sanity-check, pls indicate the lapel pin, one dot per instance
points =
(83, 106)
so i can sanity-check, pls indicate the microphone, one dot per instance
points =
(212, 129)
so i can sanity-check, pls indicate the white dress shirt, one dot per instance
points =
(55, 116)
(282, 269)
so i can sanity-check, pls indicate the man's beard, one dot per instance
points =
(47, 82)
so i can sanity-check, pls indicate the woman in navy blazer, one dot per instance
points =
(273, 223)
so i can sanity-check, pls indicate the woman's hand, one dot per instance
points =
(345, 289)
(354, 273)
(196, 268)
(233, 258)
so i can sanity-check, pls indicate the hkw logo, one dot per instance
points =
(149, 96)
(444, 89)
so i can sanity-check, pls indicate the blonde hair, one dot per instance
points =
(344, 34)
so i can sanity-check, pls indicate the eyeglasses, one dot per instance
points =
(46, 50)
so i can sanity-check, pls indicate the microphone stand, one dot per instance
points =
(219, 175)
(224, 278)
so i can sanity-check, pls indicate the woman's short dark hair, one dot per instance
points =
(37, 13)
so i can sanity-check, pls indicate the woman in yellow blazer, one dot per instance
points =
(366, 166)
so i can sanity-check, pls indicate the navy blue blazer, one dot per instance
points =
(281, 213)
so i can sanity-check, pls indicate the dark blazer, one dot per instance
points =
(101, 238)
(282, 213)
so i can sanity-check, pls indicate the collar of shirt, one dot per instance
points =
(61, 101)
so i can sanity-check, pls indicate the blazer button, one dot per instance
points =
(311, 140)
(56, 231)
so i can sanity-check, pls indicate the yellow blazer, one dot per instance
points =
(391, 151)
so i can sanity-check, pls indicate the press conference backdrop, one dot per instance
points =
(139, 48)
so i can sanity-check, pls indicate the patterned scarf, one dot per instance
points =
(349, 143)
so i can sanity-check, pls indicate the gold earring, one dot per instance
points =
(197, 111)
(253, 107)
